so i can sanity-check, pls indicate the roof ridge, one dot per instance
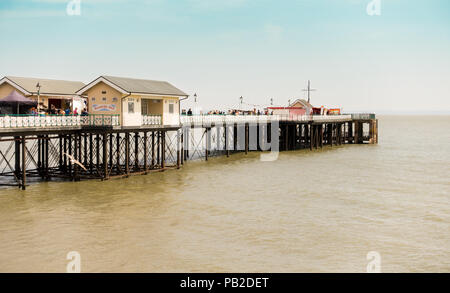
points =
(113, 76)
(43, 79)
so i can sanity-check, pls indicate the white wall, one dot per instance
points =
(134, 119)
(171, 119)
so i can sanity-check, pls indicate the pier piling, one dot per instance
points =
(106, 153)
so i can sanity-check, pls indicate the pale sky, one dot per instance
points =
(398, 61)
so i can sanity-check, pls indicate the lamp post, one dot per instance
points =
(195, 104)
(289, 102)
(271, 101)
(38, 86)
(241, 99)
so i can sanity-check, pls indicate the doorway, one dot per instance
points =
(54, 102)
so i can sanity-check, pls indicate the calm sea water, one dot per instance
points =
(319, 211)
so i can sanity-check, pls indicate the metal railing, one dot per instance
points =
(224, 119)
(100, 120)
(35, 121)
(151, 119)
(363, 116)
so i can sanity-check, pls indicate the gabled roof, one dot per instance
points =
(303, 102)
(27, 85)
(136, 86)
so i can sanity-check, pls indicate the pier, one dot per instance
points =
(34, 148)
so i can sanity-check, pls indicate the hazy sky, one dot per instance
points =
(258, 49)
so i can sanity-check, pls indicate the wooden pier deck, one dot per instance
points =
(106, 150)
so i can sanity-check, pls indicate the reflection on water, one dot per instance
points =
(320, 211)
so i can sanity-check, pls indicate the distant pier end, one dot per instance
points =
(359, 120)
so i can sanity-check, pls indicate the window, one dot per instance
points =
(93, 99)
(171, 108)
(114, 99)
(104, 99)
(130, 107)
(103, 92)
(144, 107)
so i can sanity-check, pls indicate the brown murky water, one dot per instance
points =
(320, 211)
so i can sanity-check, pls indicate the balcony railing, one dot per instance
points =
(100, 120)
(151, 119)
(37, 121)
(224, 119)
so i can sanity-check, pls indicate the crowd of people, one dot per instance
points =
(55, 111)
(229, 112)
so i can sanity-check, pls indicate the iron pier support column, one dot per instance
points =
(17, 156)
(85, 145)
(350, 132)
(118, 152)
(46, 143)
(206, 143)
(24, 167)
(127, 153)
(136, 151)
(246, 138)
(105, 156)
(286, 137)
(182, 146)
(91, 153)
(145, 152)
(178, 149)
(158, 148)
(227, 140)
(75, 155)
(111, 138)
(321, 135)
(97, 143)
(163, 149)
(153, 150)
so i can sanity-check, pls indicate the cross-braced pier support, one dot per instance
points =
(202, 141)
(105, 153)
(86, 154)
